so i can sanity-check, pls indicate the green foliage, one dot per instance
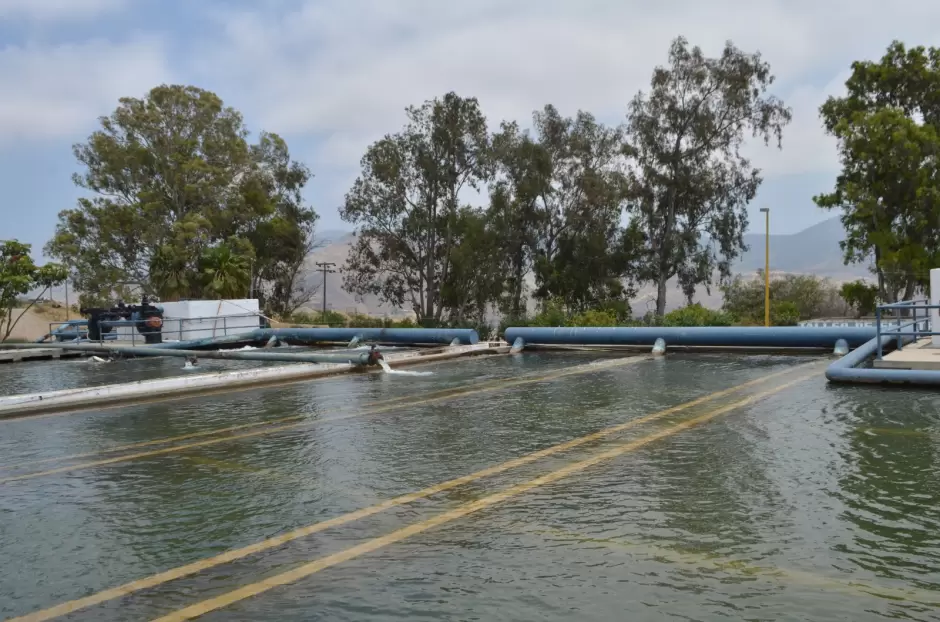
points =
(18, 276)
(792, 298)
(861, 296)
(358, 320)
(552, 313)
(474, 279)
(697, 315)
(183, 205)
(406, 207)
(691, 178)
(785, 313)
(888, 128)
(581, 254)
(330, 318)
(594, 317)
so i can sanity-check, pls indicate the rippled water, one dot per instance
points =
(811, 503)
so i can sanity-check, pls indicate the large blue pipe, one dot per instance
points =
(715, 336)
(847, 369)
(310, 336)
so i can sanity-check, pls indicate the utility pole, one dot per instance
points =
(325, 266)
(766, 211)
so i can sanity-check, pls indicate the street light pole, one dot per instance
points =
(325, 267)
(766, 212)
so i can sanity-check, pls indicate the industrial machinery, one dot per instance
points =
(146, 318)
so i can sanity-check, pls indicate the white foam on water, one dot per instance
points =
(403, 372)
(187, 365)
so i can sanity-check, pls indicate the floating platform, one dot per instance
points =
(921, 354)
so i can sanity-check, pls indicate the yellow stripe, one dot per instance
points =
(673, 554)
(301, 572)
(271, 429)
(264, 545)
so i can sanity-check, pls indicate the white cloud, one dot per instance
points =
(55, 92)
(56, 10)
(346, 70)
(338, 73)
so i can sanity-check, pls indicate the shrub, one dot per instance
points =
(860, 296)
(784, 313)
(697, 315)
(807, 296)
(594, 317)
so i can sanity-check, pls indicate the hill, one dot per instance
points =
(812, 251)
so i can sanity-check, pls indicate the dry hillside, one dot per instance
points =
(34, 323)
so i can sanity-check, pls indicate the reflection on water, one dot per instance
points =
(815, 503)
(890, 487)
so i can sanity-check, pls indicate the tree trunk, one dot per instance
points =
(661, 294)
(882, 294)
(517, 290)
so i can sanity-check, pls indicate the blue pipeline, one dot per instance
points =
(847, 369)
(311, 336)
(714, 336)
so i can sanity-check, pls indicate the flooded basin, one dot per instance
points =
(531, 487)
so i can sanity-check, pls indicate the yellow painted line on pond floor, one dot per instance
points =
(308, 569)
(264, 545)
(496, 385)
(709, 561)
(270, 427)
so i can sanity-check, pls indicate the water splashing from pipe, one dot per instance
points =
(402, 372)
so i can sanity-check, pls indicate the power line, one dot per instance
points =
(325, 266)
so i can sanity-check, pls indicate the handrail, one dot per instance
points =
(896, 327)
(184, 324)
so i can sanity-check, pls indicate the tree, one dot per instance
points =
(861, 296)
(582, 256)
(475, 280)
(793, 297)
(406, 204)
(523, 176)
(174, 184)
(283, 241)
(18, 276)
(225, 270)
(888, 128)
(691, 185)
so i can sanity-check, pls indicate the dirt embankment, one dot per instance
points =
(35, 322)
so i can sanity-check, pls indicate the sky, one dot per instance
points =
(332, 76)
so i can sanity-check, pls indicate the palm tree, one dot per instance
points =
(225, 272)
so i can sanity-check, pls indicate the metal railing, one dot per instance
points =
(181, 328)
(174, 328)
(917, 314)
(69, 330)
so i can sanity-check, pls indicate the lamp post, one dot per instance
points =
(766, 212)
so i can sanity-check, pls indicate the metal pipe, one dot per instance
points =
(400, 336)
(716, 336)
(311, 336)
(847, 370)
(363, 357)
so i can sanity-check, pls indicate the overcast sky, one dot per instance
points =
(331, 76)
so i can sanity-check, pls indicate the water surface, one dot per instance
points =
(812, 503)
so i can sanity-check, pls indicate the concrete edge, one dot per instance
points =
(181, 387)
